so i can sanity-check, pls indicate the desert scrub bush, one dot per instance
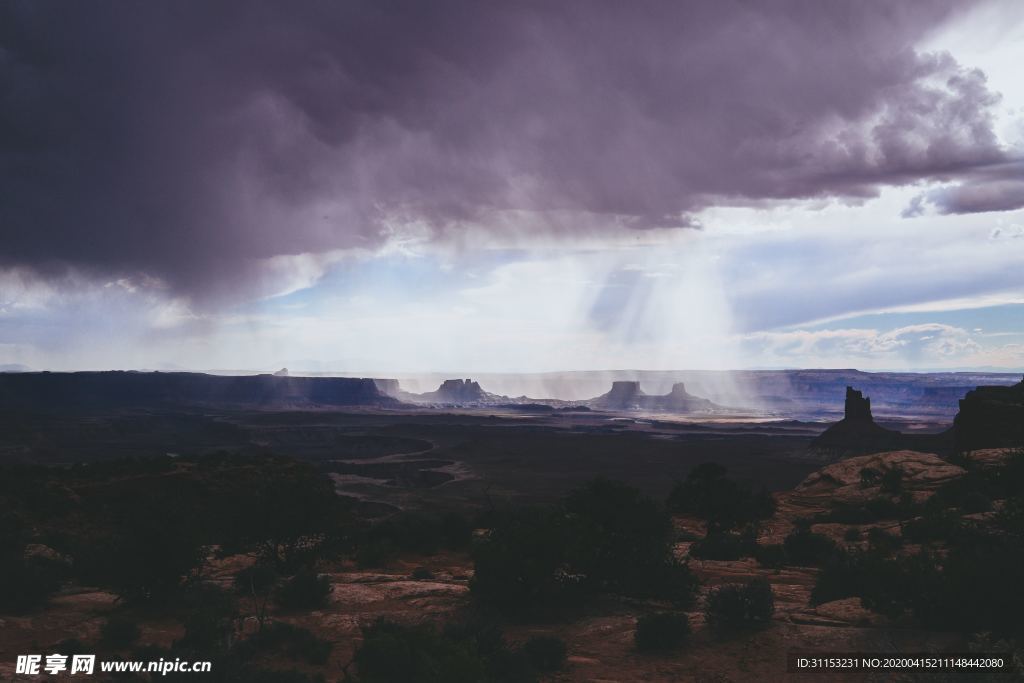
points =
(462, 653)
(376, 552)
(291, 641)
(772, 555)
(661, 632)
(724, 545)
(119, 633)
(606, 537)
(422, 574)
(808, 549)
(882, 542)
(737, 607)
(709, 494)
(305, 590)
(545, 653)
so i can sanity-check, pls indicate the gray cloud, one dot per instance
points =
(189, 141)
(996, 188)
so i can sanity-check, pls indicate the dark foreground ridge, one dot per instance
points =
(88, 390)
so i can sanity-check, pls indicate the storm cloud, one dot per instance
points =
(192, 142)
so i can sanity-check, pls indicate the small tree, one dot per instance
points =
(256, 583)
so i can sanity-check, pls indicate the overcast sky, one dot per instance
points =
(368, 186)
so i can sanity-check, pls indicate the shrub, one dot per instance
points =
(251, 675)
(675, 582)
(840, 577)
(545, 653)
(26, 585)
(305, 590)
(605, 537)
(975, 501)
(772, 555)
(709, 494)
(293, 642)
(416, 533)
(661, 632)
(734, 607)
(808, 549)
(934, 525)
(422, 574)
(208, 630)
(255, 580)
(882, 542)
(723, 545)
(119, 633)
(617, 536)
(519, 567)
(891, 481)
(378, 552)
(393, 652)
(869, 477)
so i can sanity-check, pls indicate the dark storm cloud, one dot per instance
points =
(189, 140)
(996, 188)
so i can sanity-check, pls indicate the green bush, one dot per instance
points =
(545, 653)
(735, 607)
(661, 632)
(306, 590)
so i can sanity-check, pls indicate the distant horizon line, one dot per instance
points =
(461, 374)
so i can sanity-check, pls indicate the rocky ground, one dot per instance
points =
(600, 641)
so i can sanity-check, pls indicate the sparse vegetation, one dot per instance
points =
(661, 632)
(119, 633)
(709, 494)
(808, 549)
(969, 585)
(545, 653)
(306, 590)
(733, 608)
(393, 652)
(725, 545)
(772, 556)
(290, 641)
(606, 537)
